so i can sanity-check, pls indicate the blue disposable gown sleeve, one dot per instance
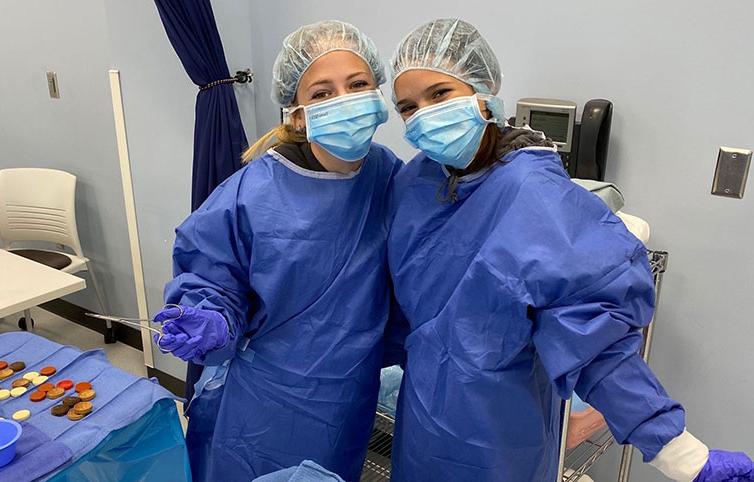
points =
(211, 264)
(397, 327)
(591, 292)
(396, 331)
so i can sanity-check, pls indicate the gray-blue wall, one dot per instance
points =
(680, 76)
(81, 40)
(74, 133)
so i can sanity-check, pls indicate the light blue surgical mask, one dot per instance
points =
(344, 126)
(449, 132)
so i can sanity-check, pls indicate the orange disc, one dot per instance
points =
(83, 386)
(48, 371)
(45, 387)
(65, 384)
(3, 364)
(37, 396)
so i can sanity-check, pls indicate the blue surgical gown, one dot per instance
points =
(296, 261)
(522, 289)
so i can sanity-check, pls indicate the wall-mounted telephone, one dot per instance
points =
(582, 145)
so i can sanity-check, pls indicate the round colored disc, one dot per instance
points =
(17, 392)
(3, 364)
(37, 396)
(5, 373)
(31, 375)
(17, 366)
(87, 395)
(21, 415)
(21, 382)
(59, 410)
(75, 416)
(4, 394)
(56, 392)
(40, 380)
(45, 387)
(65, 384)
(83, 408)
(81, 386)
(48, 371)
(71, 401)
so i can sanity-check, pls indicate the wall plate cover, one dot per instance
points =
(731, 172)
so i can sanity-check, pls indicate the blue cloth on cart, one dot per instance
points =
(307, 471)
(121, 397)
(36, 456)
(151, 449)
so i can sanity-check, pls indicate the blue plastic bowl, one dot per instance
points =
(10, 431)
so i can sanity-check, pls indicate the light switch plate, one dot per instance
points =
(731, 172)
(52, 84)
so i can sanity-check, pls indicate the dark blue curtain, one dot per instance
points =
(219, 138)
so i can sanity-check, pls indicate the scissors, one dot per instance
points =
(137, 322)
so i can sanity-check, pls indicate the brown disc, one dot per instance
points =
(83, 408)
(71, 401)
(48, 371)
(56, 392)
(17, 366)
(59, 410)
(3, 364)
(75, 416)
(87, 395)
(21, 382)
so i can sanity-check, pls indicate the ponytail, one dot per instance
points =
(282, 134)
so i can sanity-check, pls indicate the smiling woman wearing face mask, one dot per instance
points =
(282, 275)
(519, 286)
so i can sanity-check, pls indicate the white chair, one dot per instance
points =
(39, 206)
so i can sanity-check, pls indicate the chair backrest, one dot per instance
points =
(38, 205)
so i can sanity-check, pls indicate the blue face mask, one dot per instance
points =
(344, 126)
(449, 132)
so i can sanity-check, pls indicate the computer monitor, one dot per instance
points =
(555, 118)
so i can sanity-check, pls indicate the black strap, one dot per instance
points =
(241, 77)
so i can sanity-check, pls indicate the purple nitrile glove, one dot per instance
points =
(724, 466)
(190, 333)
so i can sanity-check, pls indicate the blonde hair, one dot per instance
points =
(282, 134)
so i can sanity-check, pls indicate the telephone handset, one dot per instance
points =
(582, 145)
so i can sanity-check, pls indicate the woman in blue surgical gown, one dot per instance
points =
(281, 275)
(519, 286)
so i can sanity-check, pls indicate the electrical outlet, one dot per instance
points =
(731, 172)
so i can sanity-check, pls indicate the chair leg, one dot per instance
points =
(110, 333)
(27, 322)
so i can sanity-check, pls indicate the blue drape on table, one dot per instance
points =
(219, 137)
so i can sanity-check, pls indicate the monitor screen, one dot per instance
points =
(553, 124)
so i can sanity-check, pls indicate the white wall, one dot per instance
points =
(680, 76)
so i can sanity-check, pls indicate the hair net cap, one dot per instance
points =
(308, 43)
(453, 47)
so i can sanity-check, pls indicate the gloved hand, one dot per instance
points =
(724, 466)
(193, 333)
